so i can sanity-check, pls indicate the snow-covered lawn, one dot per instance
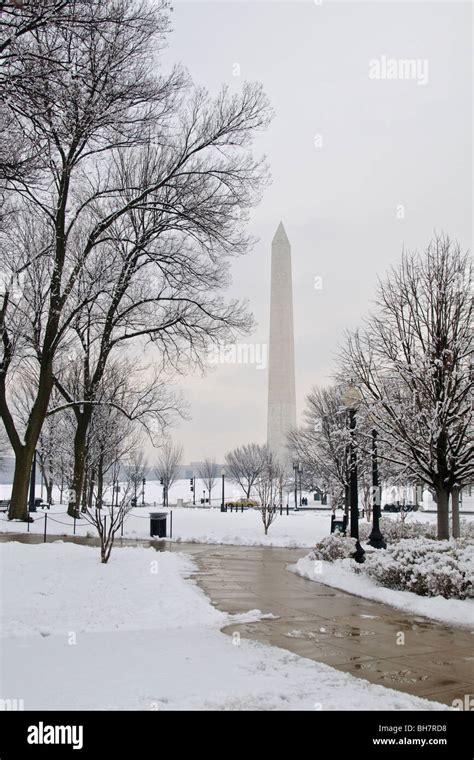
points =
(339, 574)
(297, 529)
(211, 526)
(139, 634)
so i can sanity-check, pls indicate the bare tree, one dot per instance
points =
(412, 363)
(63, 469)
(168, 466)
(109, 522)
(22, 17)
(114, 441)
(208, 472)
(128, 388)
(137, 391)
(51, 442)
(320, 444)
(22, 153)
(244, 465)
(18, 155)
(143, 172)
(69, 133)
(136, 470)
(268, 487)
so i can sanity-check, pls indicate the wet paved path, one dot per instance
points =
(349, 633)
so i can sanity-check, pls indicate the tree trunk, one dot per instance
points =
(443, 513)
(24, 453)
(84, 492)
(100, 482)
(49, 490)
(91, 490)
(455, 521)
(18, 509)
(80, 450)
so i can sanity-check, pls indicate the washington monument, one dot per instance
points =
(281, 366)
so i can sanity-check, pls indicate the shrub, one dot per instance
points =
(395, 530)
(334, 546)
(427, 568)
(467, 528)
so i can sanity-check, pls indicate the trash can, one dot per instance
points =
(158, 524)
(339, 526)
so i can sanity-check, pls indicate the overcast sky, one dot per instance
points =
(361, 167)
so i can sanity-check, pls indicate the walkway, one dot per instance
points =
(330, 626)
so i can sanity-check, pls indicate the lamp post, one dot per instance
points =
(376, 538)
(143, 491)
(300, 473)
(223, 487)
(347, 489)
(295, 471)
(351, 400)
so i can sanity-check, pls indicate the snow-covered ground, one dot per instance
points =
(339, 575)
(138, 634)
(298, 529)
(301, 529)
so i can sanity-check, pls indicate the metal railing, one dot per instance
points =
(73, 524)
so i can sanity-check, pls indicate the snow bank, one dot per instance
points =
(65, 588)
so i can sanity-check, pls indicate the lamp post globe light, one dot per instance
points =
(351, 400)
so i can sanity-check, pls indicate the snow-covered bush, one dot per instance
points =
(467, 528)
(335, 546)
(425, 567)
(395, 530)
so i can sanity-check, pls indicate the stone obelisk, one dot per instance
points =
(281, 360)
